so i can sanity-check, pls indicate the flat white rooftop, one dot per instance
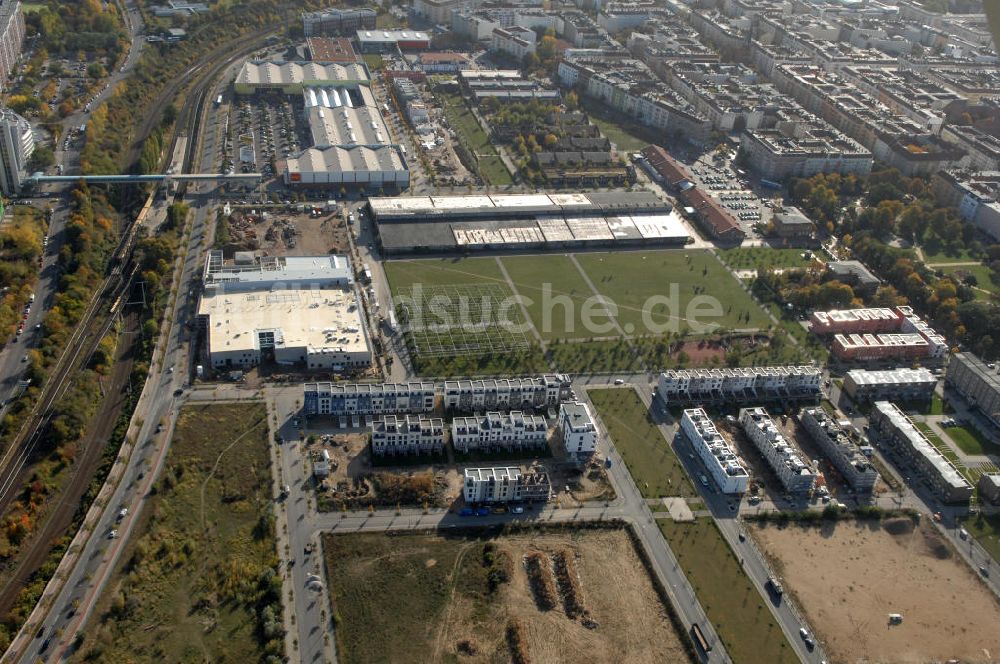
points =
(320, 320)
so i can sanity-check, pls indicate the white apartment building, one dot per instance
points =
(17, 144)
(841, 448)
(723, 464)
(11, 37)
(892, 428)
(495, 431)
(405, 435)
(578, 429)
(505, 393)
(740, 384)
(787, 462)
(505, 485)
(345, 399)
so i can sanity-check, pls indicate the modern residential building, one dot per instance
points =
(496, 432)
(17, 143)
(905, 346)
(978, 384)
(295, 309)
(395, 435)
(719, 457)
(989, 487)
(505, 485)
(739, 385)
(788, 463)
(892, 428)
(336, 21)
(578, 429)
(505, 393)
(902, 384)
(346, 399)
(11, 38)
(847, 321)
(879, 333)
(842, 448)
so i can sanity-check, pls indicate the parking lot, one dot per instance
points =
(262, 130)
(714, 172)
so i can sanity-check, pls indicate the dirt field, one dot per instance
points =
(849, 576)
(446, 583)
(285, 233)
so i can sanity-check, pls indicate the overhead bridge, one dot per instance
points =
(158, 177)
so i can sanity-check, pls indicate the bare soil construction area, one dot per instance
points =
(552, 596)
(849, 576)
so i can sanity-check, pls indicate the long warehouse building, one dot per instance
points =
(524, 221)
(351, 144)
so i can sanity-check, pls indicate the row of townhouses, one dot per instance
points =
(740, 385)
(345, 399)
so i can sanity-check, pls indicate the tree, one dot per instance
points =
(572, 100)
(41, 158)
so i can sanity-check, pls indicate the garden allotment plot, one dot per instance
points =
(464, 319)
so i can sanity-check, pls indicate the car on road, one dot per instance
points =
(703, 479)
(984, 571)
(517, 509)
(483, 511)
(810, 644)
(308, 549)
(619, 381)
(122, 513)
(466, 511)
(113, 534)
(804, 633)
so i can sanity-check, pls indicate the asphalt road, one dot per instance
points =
(12, 364)
(78, 597)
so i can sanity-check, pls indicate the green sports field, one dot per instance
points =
(509, 303)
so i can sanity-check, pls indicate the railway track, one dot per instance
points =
(15, 464)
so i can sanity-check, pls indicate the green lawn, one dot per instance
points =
(675, 277)
(202, 566)
(471, 135)
(937, 254)
(756, 258)
(624, 139)
(970, 441)
(937, 442)
(986, 530)
(985, 285)
(651, 461)
(735, 607)
(557, 292)
(373, 61)
(403, 275)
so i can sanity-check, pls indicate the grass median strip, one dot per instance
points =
(732, 602)
(648, 455)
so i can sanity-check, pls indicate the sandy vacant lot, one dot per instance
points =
(439, 582)
(848, 577)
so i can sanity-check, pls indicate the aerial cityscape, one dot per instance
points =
(478, 331)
